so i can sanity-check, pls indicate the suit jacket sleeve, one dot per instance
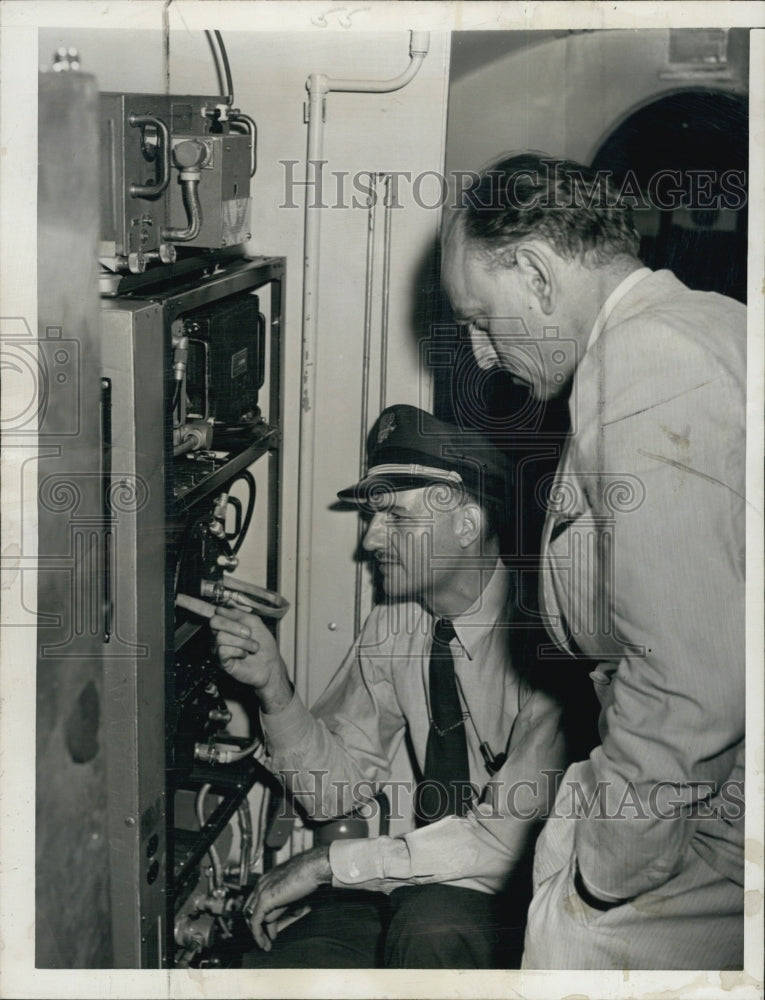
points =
(672, 575)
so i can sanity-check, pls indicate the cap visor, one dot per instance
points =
(372, 491)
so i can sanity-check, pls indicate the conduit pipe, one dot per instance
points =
(365, 378)
(385, 295)
(318, 86)
(190, 188)
(365, 361)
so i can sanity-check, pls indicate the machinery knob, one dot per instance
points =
(165, 254)
(137, 262)
(219, 715)
(227, 562)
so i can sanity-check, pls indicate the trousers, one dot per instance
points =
(695, 920)
(416, 927)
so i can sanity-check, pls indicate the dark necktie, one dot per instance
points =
(444, 789)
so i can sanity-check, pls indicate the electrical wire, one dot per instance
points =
(217, 867)
(248, 477)
(245, 841)
(225, 753)
(260, 836)
(216, 58)
(227, 67)
(222, 55)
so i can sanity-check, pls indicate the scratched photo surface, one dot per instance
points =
(382, 500)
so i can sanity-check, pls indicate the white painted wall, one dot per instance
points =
(563, 96)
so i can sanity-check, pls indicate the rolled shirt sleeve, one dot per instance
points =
(481, 850)
(334, 757)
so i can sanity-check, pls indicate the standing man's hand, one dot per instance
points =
(248, 652)
(277, 889)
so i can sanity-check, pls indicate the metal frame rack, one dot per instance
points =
(153, 666)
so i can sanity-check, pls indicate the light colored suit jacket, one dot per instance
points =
(643, 568)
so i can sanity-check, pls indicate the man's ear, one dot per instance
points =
(469, 524)
(535, 263)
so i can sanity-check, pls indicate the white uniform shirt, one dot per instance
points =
(380, 690)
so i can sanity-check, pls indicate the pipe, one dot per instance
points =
(252, 130)
(188, 444)
(190, 184)
(318, 86)
(265, 603)
(419, 42)
(260, 835)
(163, 140)
(191, 436)
(365, 359)
(225, 753)
(388, 218)
(217, 867)
(226, 69)
(245, 841)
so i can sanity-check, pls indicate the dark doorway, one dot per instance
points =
(701, 136)
(689, 154)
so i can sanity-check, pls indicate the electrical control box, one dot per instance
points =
(226, 361)
(224, 193)
(174, 172)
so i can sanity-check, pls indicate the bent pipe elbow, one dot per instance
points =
(193, 212)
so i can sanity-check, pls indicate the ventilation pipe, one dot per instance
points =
(318, 86)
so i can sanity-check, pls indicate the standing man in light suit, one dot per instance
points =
(641, 863)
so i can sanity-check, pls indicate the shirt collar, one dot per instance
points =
(613, 300)
(489, 608)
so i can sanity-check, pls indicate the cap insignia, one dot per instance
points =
(387, 427)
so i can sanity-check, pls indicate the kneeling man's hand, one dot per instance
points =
(248, 652)
(284, 885)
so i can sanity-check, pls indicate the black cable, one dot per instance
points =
(227, 67)
(220, 56)
(247, 476)
(216, 58)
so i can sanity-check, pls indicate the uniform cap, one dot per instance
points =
(409, 448)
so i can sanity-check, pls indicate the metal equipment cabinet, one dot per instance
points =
(113, 670)
(73, 922)
(153, 667)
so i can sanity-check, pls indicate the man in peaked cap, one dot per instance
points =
(438, 662)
